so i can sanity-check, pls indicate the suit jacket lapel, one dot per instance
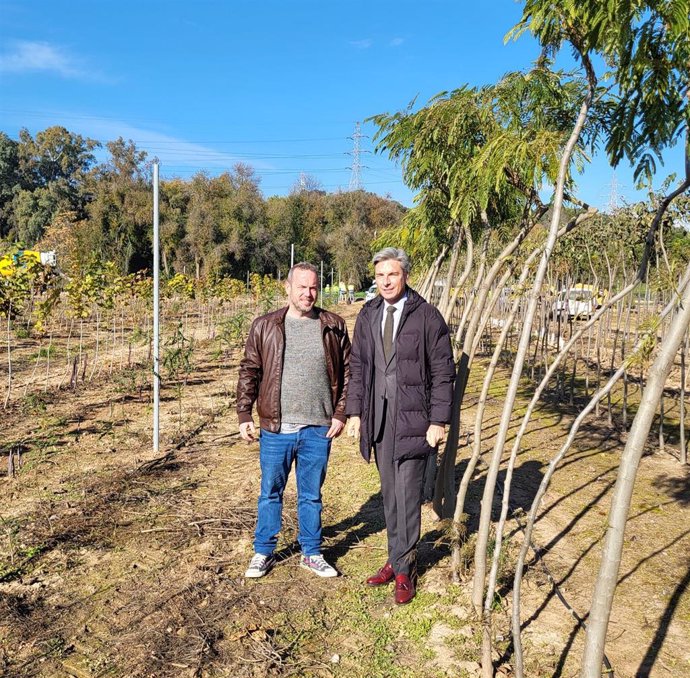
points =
(378, 338)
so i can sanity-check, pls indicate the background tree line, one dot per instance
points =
(54, 194)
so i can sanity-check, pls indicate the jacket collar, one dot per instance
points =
(324, 316)
(414, 299)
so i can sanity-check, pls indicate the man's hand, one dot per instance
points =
(435, 435)
(353, 425)
(336, 429)
(247, 431)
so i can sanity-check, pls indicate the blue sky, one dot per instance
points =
(278, 85)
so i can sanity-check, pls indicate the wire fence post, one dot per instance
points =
(156, 265)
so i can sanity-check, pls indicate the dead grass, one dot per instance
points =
(115, 562)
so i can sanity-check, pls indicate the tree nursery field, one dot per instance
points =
(118, 562)
(557, 542)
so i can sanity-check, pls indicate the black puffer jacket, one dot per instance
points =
(425, 374)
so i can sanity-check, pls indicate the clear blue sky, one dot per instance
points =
(279, 85)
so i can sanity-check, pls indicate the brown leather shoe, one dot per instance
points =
(404, 589)
(383, 576)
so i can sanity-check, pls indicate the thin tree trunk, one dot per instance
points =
(113, 345)
(625, 374)
(9, 355)
(613, 357)
(31, 379)
(98, 337)
(523, 345)
(445, 478)
(589, 354)
(444, 500)
(596, 398)
(683, 445)
(597, 348)
(444, 301)
(479, 417)
(81, 337)
(459, 285)
(430, 279)
(50, 346)
(622, 493)
(69, 337)
(486, 316)
(520, 565)
(662, 442)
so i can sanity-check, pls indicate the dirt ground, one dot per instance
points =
(115, 561)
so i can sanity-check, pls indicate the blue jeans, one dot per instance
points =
(309, 449)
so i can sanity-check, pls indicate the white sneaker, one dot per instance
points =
(318, 565)
(259, 565)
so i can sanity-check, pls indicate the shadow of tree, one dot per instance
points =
(348, 533)
(676, 487)
(353, 530)
(654, 648)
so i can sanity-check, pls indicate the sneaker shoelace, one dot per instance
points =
(317, 562)
(258, 561)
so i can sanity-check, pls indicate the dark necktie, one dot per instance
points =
(388, 333)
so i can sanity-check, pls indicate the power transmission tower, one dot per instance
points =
(356, 176)
(613, 195)
(614, 198)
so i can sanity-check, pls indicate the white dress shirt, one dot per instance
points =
(396, 316)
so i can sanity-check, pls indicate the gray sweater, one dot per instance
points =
(305, 391)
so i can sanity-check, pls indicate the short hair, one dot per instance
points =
(302, 266)
(393, 254)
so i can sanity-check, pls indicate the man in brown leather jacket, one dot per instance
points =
(296, 369)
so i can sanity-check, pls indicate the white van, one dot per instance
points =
(579, 301)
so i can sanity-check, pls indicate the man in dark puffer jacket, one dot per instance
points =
(399, 401)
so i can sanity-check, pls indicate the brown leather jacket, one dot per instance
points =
(261, 369)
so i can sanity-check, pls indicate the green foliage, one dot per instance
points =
(646, 47)
(23, 559)
(48, 175)
(488, 150)
(51, 191)
(233, 330)
(641, 357)
(32, 212)
(28, 276)
(34, 403)
(267, 292)
(11, 180)
(181, 285)
(178, 353)
(229, 288)
(120, 209)
(616, 241)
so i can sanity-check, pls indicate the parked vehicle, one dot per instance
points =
(371, 293)
(11, 262)
(578, 301)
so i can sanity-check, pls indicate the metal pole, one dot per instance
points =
(321, 292)
(156, 265)
(292, 255)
